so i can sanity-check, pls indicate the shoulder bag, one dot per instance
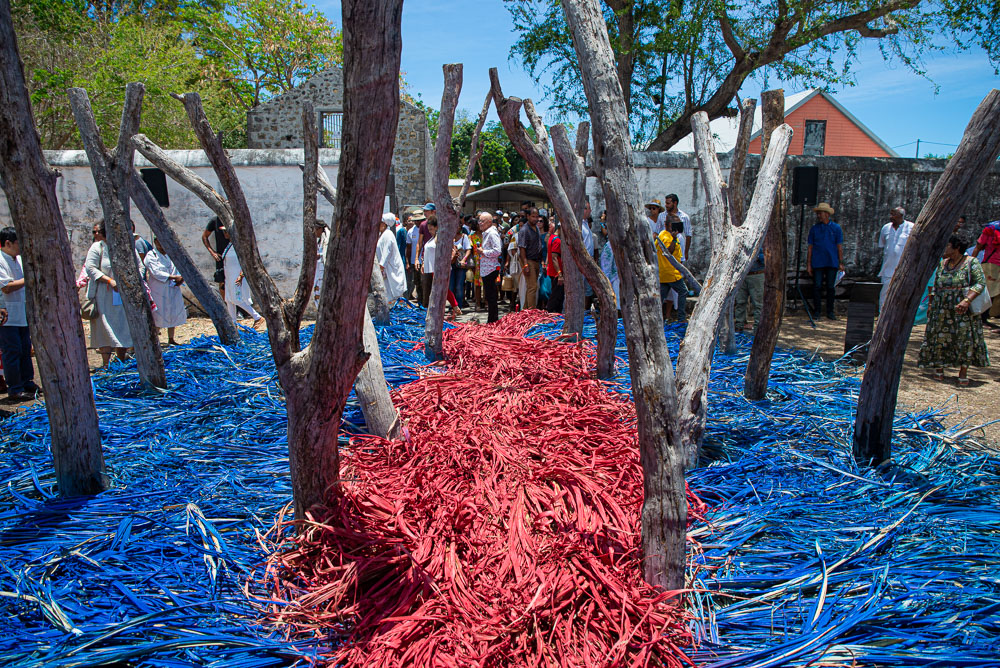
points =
(983, 301)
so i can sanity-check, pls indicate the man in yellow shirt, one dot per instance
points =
(670, 278)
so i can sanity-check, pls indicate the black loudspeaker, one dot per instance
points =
(805, 181)
(157, 182)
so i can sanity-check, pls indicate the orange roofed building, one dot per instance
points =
(822, 127)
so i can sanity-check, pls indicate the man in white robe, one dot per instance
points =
(165, 288)
(892, 238)
(389, 259)
(237, 291)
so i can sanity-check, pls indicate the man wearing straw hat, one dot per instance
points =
(826, 256)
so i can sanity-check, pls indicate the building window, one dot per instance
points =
(330, 124)
(814, 139)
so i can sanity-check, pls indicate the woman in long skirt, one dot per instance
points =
(165, 289)
(954, 335)
(109, 330)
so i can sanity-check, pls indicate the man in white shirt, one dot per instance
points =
(892, 238)
(670, 203)
(387, 255)
(15, 342)
(412, 248)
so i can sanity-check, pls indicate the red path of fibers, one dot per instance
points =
(504, 532)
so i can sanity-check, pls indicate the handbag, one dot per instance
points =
(88, 309)
(983, 301)
(507, 285)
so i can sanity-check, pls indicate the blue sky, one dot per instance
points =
(896, 104)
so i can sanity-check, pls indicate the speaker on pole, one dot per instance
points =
(805, 182)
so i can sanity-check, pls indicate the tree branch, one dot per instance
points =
(185, 177)
(736, 171)
(242, 234)
(475, 151)
(307, 272)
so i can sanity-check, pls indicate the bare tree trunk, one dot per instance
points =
(727, 328)
(973, 159)
(447, 215)
(773, 306)
(378, 301)
(555, 179)
(571, 168)
(112, 173)
(206, 295)
(737, 246)
(381, 416)
(53, 307)
(318, 380)
(664, 510)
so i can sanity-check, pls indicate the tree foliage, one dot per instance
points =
(174, 46)
(675, 57)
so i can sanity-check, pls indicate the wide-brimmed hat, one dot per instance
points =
(823, 206)
(418, 217)
(655, 204)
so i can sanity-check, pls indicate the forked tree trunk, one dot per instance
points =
(664, 509)
(447, 215)
(206, 295)
(53, 306)
(318, 380)
(773, 305)
(973, 159)
(727, 328)
(112, 173)
(731, 259)
(569, 170)
(381, 416)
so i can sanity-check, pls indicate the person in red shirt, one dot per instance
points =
(989, 244)
(554, 270)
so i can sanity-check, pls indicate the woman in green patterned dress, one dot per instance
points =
(954, 335)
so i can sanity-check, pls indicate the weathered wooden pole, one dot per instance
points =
(772, 309)
(447, 215)
(571, 168)
(568, 175)
(736, 248)
(53, 306)
(112, 173)
(206, 294)
(664, 508)
(973, 159)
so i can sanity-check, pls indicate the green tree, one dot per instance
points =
(235, 55)
(102, 48)
(256, 49)
(675, 58)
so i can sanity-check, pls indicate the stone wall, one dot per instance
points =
(861, 190)
(277, 123)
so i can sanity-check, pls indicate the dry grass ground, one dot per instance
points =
(978, 403)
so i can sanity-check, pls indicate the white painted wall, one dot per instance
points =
(272, 182)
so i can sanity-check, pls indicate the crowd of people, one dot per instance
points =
(516, 258)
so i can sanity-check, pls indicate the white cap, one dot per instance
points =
(389, 219)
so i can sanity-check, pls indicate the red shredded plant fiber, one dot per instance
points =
(503, 532)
